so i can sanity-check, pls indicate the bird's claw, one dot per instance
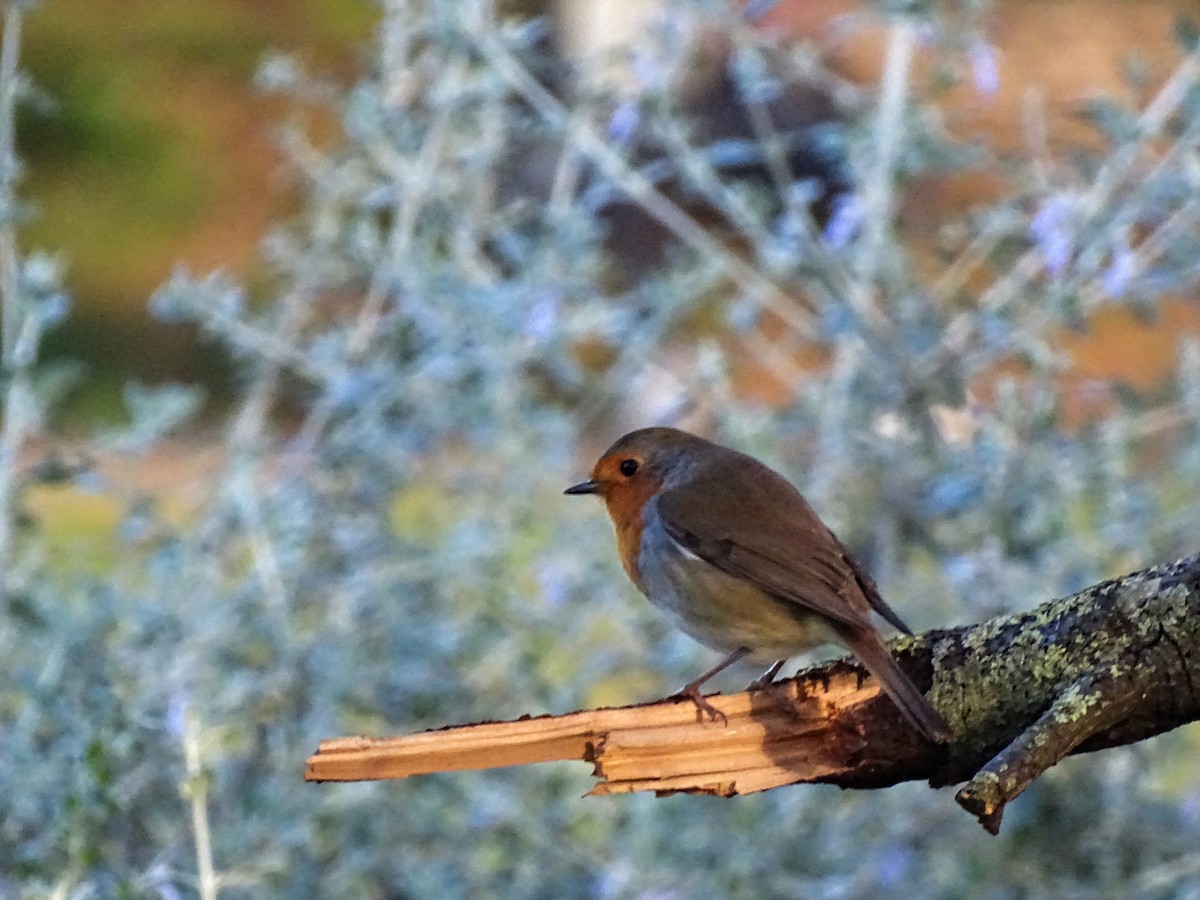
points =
(692, 692)
(760, 684)
(767, 678)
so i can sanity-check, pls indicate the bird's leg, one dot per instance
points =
(691, 690)
(764, 680)
(783, 701)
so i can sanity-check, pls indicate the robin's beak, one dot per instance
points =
(584, 487)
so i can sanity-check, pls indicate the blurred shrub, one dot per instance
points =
(385, 547)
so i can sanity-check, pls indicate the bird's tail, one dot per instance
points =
(919, 712)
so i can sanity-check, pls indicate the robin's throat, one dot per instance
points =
(625, 506)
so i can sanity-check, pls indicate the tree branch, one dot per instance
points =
(1110, 665)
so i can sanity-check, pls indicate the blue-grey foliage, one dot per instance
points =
(442, 344)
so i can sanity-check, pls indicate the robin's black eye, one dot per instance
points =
(628, 467)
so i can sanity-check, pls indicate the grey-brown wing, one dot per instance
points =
(757, 527)
(871, 590)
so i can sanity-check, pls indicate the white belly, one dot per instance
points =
(720, 611)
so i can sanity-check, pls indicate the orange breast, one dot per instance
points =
(625, 502)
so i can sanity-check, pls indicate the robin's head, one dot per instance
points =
(638, 464)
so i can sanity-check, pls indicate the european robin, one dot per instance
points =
(737, 559)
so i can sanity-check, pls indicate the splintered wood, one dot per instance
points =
(1107, 666)
(769, 738)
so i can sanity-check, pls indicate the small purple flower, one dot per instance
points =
(753, 10)
(1189, 808)
(1120, 271)
(624, 121)
(553, 582)
(175, 719)
(1051, 231)
(894, 865)
(648, 70)
(985, 67)
(844, 224)
(542, 318)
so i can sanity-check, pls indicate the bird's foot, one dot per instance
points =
(691, 692)
(783, 698)
(767, 678)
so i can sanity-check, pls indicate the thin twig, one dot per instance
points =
(197, 793)
(643, 192)
(878, 193)
(17, 398)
